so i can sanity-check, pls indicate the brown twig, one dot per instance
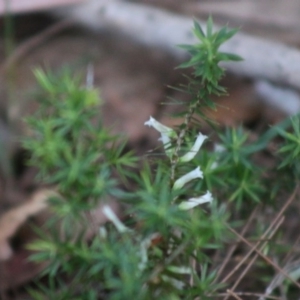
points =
(267, 259)
(290, 252)
(159, 28)
(231, 293)
(250, 295)
(232, 249)
(276, 219)
(249, 265)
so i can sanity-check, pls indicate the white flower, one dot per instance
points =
(164, 130)
(144, 245)
(191, 154)
(176, 283)
(180, 270)
(165, 139)
(167, 144)
(192, 202)
(144, 256)
(218, 148)
(179, 183)
(103, 232)
(109, 213)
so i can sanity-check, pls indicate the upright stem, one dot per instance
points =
(182, 133)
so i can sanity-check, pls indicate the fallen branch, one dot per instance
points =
(154, 27)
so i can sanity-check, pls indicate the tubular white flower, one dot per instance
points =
(167, 144)
(197, 145)
(109, 213)
(144, 245)
(192, 202)
(103, 232)
(144, 257)
(176, 283)
(180, 270)
(165, 139)
(179, 183)
(218, 148)
(164, 130)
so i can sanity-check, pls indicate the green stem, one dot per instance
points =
(182, 133)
